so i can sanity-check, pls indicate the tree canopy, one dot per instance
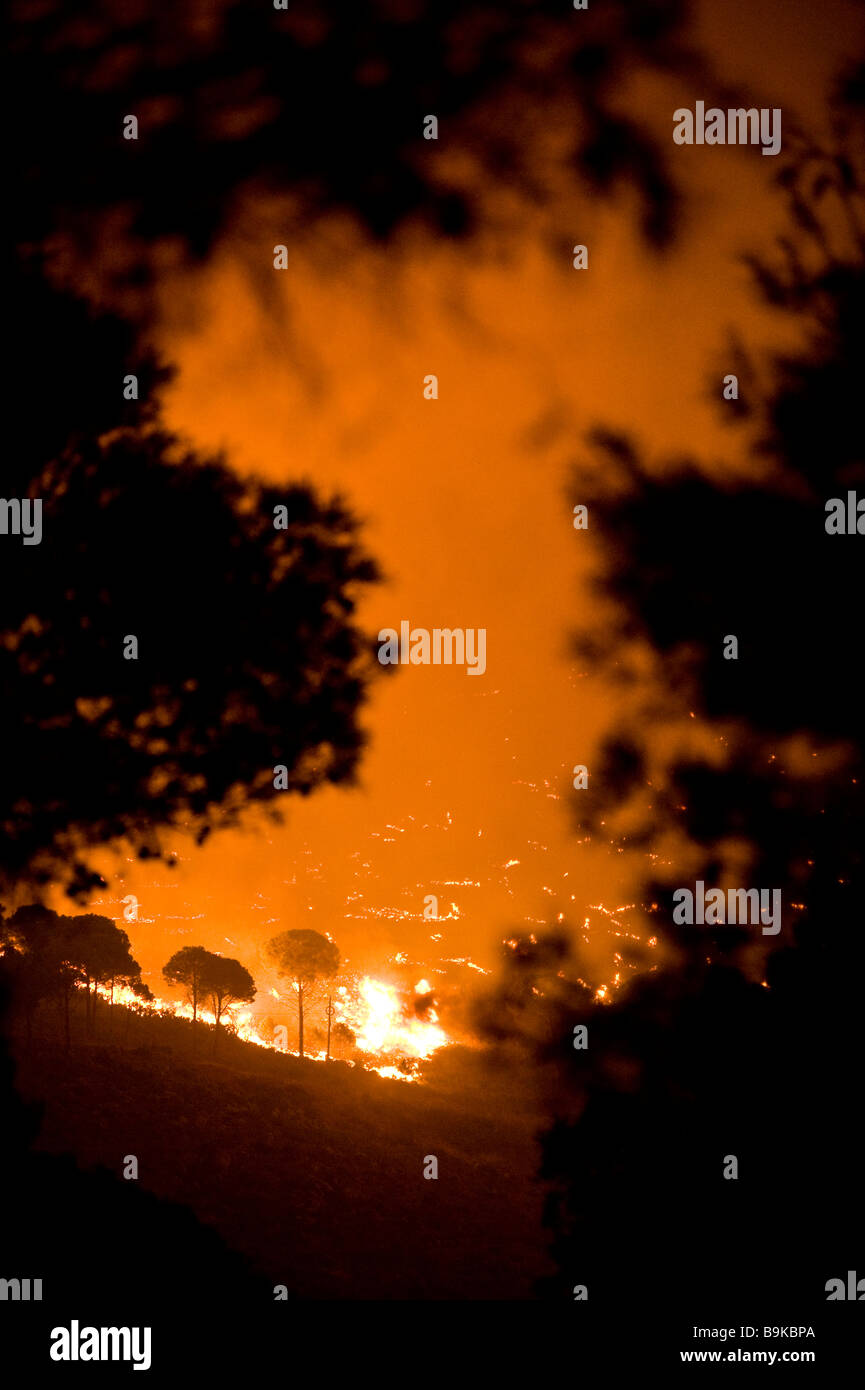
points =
(734, 1045)
(248, 654)
(323, 108)
(46, 955)
(187, 968)
(226, 982)
(206, 975)
(304, 957)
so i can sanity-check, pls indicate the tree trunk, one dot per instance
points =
(66, 1016)
(329, 1017)
(300, 1018)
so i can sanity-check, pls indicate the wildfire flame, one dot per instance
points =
(381, 1023)
(378, 1020)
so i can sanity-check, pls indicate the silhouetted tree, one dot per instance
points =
(47, 955)
(32, 960)
(532, 989)
(101, 951)
(250, 666)
(304, 957)
(737, 1044)
(188, 967)
(42, 959)
(225, 982)
(320, 111)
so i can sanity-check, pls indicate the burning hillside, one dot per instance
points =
(390, 1034)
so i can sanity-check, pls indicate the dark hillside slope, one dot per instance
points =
(313, 1173)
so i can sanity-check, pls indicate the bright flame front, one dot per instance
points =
(383, 1026)
(378, 1020)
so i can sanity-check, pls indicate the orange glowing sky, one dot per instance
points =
(317, 373)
